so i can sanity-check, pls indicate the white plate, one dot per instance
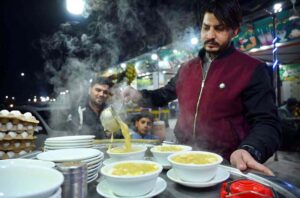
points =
(83, 143)
(221, 176)
(71, 138)
(103, 189)
(94, 159)
(66, 147)
(57, 194)
(29, 162)
(64, 155)
(92, 178)
(93, 170)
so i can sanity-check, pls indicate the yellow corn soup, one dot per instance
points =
(133, 169)
(171, 148)
(195, 158)
(124, 150)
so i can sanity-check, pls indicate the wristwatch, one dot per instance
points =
(256, 154)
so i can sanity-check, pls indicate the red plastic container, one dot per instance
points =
(245, 188)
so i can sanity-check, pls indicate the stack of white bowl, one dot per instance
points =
(67, 142)
(93, 158)
(29, 178)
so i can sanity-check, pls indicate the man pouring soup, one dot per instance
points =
(226, 97)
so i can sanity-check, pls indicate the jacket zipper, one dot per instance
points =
(198, 101)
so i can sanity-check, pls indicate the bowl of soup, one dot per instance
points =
(195, 166)
(121, 153)
(131, 178)
(161, 152)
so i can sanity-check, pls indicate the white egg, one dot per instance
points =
(4, 112)
(24, 134)
(12, 134)
(2, 135)
(17, 144)
(20, 126)
(16, 113)
(6, 144)
(9, 125)
(10, 154)
(22, 152)
(27, 115)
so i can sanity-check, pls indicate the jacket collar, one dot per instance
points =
(224, 53)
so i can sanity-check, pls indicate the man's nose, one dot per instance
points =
(211, 33)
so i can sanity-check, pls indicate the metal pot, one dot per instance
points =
(110, 119)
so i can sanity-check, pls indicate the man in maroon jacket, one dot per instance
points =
(225, 97)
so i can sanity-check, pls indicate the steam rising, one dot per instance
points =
(113, 31)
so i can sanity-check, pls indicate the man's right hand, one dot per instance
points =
(131, 94)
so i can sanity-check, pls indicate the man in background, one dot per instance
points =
(85, 119)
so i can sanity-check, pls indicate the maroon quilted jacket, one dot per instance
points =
(233, 106)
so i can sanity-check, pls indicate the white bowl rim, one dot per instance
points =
(220, 158)
(131, 161)
(186, 148)
(39, 192)
(29, 162)
(144, 148)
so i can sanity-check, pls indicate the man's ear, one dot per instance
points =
(236, 32)
(89, 91)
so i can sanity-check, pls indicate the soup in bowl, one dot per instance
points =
(131, 178)
(136, 152)
(195, 166)
(161, 153)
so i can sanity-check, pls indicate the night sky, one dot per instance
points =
(23, 23)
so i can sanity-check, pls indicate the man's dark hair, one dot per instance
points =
(102, 81)
(143, 115)
(291, 102)
(226, 11)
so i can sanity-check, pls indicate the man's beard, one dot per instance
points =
(214, 53)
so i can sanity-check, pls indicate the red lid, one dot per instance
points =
(245, 185)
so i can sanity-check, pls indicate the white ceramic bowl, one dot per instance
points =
(192, 172)
(161, 153)
(29, 181)
(134, 155)
(30, 162)
(131, 186)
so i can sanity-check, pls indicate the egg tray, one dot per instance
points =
(21, 126)
(9, 145)
(17, 119)
(18, 136)
(13, 154)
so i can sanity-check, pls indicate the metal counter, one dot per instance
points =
(282, 188)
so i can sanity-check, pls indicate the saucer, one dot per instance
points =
(221, 176)
(160, 186)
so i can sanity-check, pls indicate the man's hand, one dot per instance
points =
(131, 94)
(242, 160)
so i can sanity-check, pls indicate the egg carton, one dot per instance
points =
(16, 135)
(21, 126)
(8, 145)
(16, 117)
(13, 154)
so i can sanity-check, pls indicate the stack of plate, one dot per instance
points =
(67, 142)
(92, 157)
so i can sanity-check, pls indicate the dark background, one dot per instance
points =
(25, 22)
